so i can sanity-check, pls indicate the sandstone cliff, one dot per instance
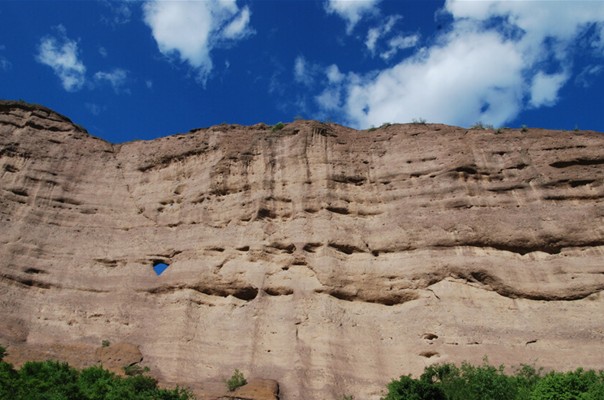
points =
(329, 259)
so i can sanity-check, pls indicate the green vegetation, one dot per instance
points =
(236, 380)
(2, 352)
(384, 125)
(480, 125)
(278, 126)
(105, 343)
(134, 370)
(486, 382)
(524, 128)
(52, 380)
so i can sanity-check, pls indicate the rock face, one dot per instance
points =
(328, 259)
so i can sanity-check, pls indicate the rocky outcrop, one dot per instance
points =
(118, 356)
(329, 259)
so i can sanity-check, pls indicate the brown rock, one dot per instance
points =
(117, 356)
(329, 259)
(256, 389)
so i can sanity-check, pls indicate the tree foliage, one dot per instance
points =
(486, 382)
(52, 380)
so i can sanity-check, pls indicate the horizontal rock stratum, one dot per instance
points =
(329, 259)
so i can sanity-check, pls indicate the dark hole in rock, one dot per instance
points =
(159, 267)
(246, 293)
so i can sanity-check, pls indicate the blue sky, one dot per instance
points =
(130, 70)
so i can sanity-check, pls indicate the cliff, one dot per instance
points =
(329, 259)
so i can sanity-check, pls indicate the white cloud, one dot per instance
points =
(351, 10)
(333, 74)
(239, 27)
(149, 84)
(479, 70)
(300, 74)
(305, 72)
(94, 109)
(394, 44)
(588, 74)
(121, 12)
(372, 37)
(61, 54)
(103, 52)
(5, 65)
(191, 29)
(398, 43)
(117, 78)
(544, 89)
(374, 34)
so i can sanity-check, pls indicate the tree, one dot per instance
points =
(574, 385)
(407, 388)
(48, 380)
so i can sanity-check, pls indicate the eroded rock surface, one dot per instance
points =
(328, 259)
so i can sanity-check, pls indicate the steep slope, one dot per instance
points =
(329, 259)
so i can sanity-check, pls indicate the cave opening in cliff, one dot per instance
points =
(159, 267)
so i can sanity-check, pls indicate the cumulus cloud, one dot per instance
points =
(191, 29)
(61, 54)
(117, 78)
(497, 58)
(351, 10)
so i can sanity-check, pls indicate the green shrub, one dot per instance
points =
(574, 385)
(96, 383)
(236, 380)
(134, 370)
(278, 126)
(52, 380)
(407, 388)
(9, 381)
(105, 343)
(486, 382)
(48, 380)
(2, 352)
(480, 125)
